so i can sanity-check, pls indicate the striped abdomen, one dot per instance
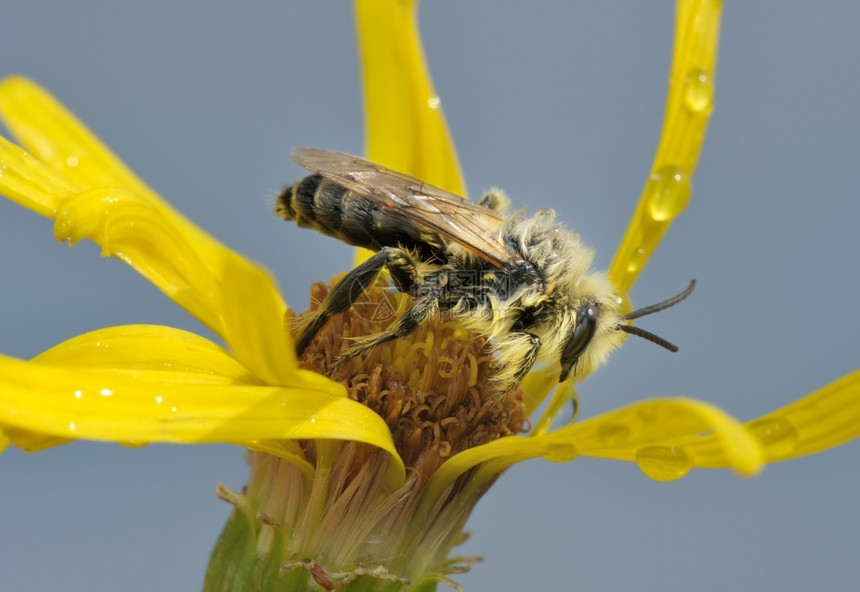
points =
(331, 209)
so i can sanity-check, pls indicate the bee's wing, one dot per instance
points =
(450, 216)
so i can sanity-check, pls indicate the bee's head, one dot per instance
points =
(598, 329)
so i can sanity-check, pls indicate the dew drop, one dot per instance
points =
(72, 161)
(79, 394)
(668, 192)
(613, 433)
(698, 92)
(636, 260)
(72, 427)
(561, 451)
(433, 102)
(777, 434)
(664, 463)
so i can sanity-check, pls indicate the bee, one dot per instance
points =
(522, 282)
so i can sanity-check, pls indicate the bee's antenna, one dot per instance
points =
(660, 305)
(632, 330)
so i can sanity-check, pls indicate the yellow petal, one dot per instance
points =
(828, 417)
(661, 429)
(536, 386)
(127, 227)
(630, 433)
(236, 300)
(259, 337)
(97, 197)
(4, 441)
(30, 441)
(286, 449)
(564, 394)
(147, 383)
(143, 406)
(58, 139)
(29, 183)
(179, 354)
(405, 128)
(688, 105)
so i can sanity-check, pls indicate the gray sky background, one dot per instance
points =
(559, 103)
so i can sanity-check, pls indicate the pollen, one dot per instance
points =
(433, 388)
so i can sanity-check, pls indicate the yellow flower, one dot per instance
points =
(144, 384)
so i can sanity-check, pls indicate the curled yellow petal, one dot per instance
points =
(659, 431)
(127, 227)
(48, 131)
(92, 194)
(688, 105)
(641, 432)
(828, 417)
(235, 299)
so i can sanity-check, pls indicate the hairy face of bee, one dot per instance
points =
(591, 333)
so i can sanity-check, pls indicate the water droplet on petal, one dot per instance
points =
(613, 433)
(79, 394)
(561, 451)
(433, 102)
(668, 192)
(664, 463)
(777, 434)
(72, 161)
(636, 259)
(698, 92)
(72, 427)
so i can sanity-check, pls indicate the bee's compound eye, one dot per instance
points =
(586, 325)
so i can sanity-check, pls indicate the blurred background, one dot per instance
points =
(559, 103)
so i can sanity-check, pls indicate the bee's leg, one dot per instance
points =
(422, 310)
(496, 200)
(519, 341)
(348, 289)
